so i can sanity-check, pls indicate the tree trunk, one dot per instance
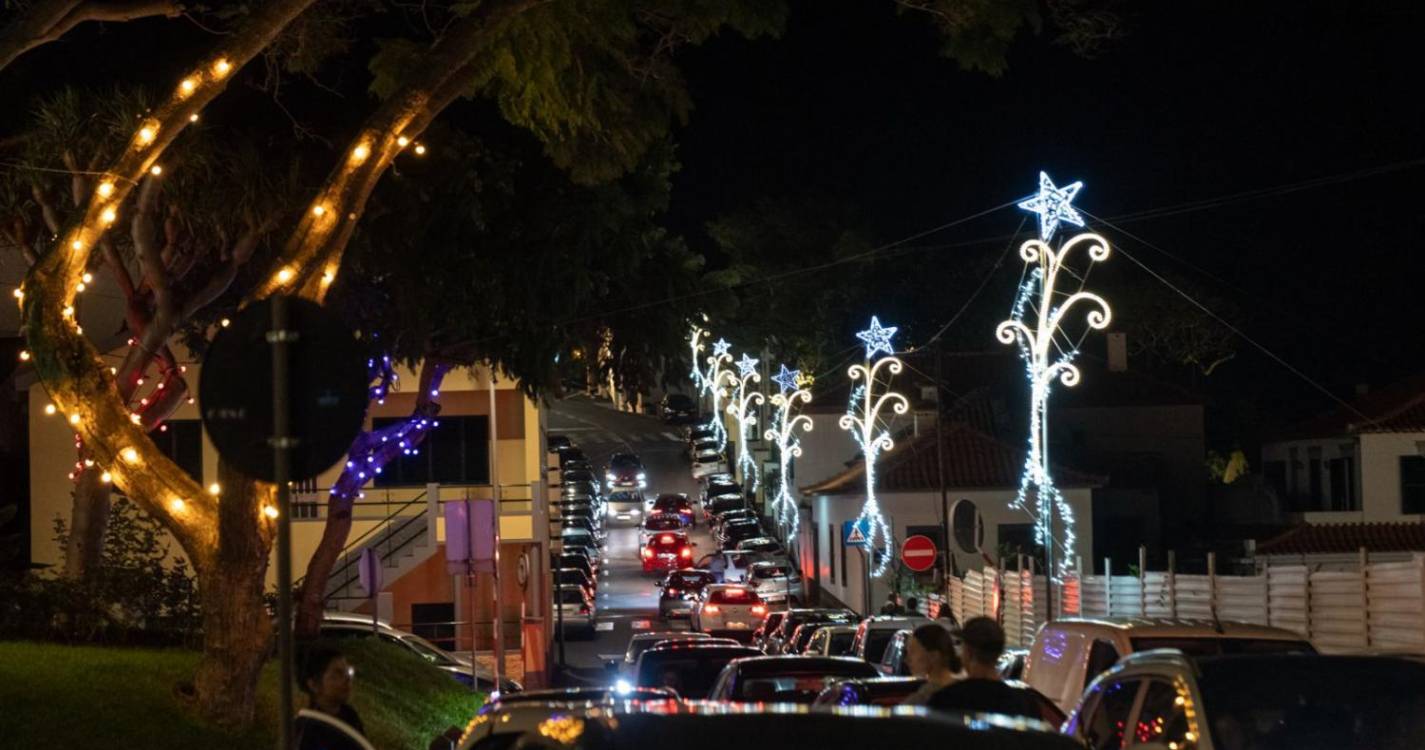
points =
(237, 630)
(89, 519)
(319, 569)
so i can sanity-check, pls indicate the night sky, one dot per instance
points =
(1200, 101)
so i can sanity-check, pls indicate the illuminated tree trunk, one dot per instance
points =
(371, 451)
(88, 522)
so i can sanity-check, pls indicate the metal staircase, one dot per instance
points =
(401, 540)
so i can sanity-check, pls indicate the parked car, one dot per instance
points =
(557, 443)
(768, 626)
(669, 550)
(580, 488)
(830, 640)
(571, 454)
(641, 642)
(570, 476)
(707, 460)
(678, 408)
(502, 721)
(776, 582)
(625, 472)
(625, 506)
(875, 633)
(784, 679)
(731, 566)
(577, 577)
(700, 431)
(728, 609)
(735, 531)
(727, 514)
(658, 523)
(893, 662)
(1068, 654)
(560, 560)
(577, 463)
(353, 625)
(576, 608)
(577, 537)
(875, 691)
(700, 725)
(1166, 698)
(688, 667)
(765, 545)
(781, 639)
(679, 591)
(677, 503)
(722, 504)
(583, 522)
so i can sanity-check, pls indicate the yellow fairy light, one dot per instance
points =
(328, 277)
(177, 504)
(108, 216)
(135, 418)
(87, 277)
(269, 511)
(155, 170)
(79, 330)
(106, 189)
(88, 462)
(130, 455)
(319, 210)
(79, 287)
(106, 477)
(19, 293)
(193, 117)
(113, 371)
(74, 419)
(50, 409)
(68, 311)
(403, 141)
(285, 275)
(188, 85)
(24, 356)
(146, 134)
(221, 67)
(225, 322)
(360, 153)
(420, 149)
(215, 489)
(76, 244)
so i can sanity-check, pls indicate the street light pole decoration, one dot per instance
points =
(743, 397)
(862, 421)
(695, 342)
(712, 380)
(1035, 330)
(789, 383)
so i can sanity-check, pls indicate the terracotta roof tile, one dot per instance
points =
(973, 460)
(1398, 407)
(1339, 538)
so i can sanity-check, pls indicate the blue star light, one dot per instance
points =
(877, 338)
(747, 365)
(787, 380)
(720, 347)
(1052, 205)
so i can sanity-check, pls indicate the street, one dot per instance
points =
(628, 600)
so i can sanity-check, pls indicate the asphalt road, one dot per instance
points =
(628, 600)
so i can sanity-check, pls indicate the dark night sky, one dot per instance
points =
(1201, 100)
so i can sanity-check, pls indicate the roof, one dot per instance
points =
(1166, 627)
(1346, 538)
(1398, 407)
(973, 460)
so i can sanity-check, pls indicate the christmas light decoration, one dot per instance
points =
(783, 433)
(695, 343)
(1052, 205)
(714, 379)
(862, 420)
(742, 397)
(1035, 321)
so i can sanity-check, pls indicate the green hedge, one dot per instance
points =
(92, 696)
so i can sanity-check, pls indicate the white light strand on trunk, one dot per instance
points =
(862, 421)
(743, 397)
(783, 433)
(713, 381)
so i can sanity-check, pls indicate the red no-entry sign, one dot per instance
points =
(918, 553)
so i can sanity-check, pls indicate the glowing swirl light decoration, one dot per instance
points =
(783, 434)
(862, 420)
(1034, 331)
(695, 342)
(713, 380)
(739, 401)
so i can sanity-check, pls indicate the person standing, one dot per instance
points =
(892, 605)
(931, 654)
(912, 606)
(329, 722)
(982, 690)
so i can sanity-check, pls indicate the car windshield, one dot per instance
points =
(795, 686)
(624, 461)
(770, 571)
(663, 523)
(1224, 646)
(691, 671)
(1343, 704)
(429, 651)
(689, 580)
(876, 642)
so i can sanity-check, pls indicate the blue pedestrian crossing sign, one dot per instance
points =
(856, 534)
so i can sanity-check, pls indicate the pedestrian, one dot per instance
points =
(892, 605)
(982, 690)
(912, 606)
(329, 721)
(931, 653)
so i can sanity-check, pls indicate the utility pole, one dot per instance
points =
(940, 468)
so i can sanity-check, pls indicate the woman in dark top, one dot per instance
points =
(325, 676)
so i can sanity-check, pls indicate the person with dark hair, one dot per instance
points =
(892, 605)
(912, 606)
(931, 653)
(329, 722)
(982, 690)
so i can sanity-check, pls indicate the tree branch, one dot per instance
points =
(46, 22)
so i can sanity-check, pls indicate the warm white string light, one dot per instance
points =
(783, 433)
(862, 420)
(714, 378)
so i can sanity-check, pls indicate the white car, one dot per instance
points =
(576, 610)
(728, 609)
(831, 640)
(728, 566)
(708, 461)
(624, 506)
(776, 582)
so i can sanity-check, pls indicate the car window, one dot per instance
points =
(1163, 717)
(1102, 656)
(876, 642)
(691, 672)
(1106, 728)
(1224, 646)
(840, 643)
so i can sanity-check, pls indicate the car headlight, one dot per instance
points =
(642, 476)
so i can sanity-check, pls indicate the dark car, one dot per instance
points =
(795, 618)
(678, 592)
(575, 561)
(722, 504)
(576, 463)
(625, 472)
(687, 667)
(764, 544)
(736, 531)
(571, 454)
(576, 577)
(579, 488)
(768, 626)
(701, 432)
(721, 488)
(882, 691)
(785, 679)
(675, 503)
(665, 725)
(571, 476)
(678, 408)
(558, 443)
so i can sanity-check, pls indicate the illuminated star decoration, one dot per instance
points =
(787, 380)
(877, 338)
(1052, 205)
(746, 365)
(720, 347)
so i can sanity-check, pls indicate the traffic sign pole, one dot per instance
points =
(280, 338)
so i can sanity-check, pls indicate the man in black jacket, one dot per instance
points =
(982, 690)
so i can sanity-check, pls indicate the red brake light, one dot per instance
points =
(711, 609)
(759, 609)
(734, 593)
(687, 552)
(665, 539)
(647, 553)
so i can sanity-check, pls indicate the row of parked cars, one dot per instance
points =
(581, 510)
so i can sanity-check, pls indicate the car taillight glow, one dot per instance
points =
(687, 552)
(711, 609)
(736, 592)
(759, 609)
(647, 553)
(665, 539)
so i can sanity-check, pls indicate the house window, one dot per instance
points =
(1343, 484)
(1275, 472)
(1412, 484)
(456, 452)
(182, 441)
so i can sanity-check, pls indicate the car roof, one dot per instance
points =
(674, 495)
(773, 664)
(725, 586)
(720, 646)
(1163, 627)
(894, 622)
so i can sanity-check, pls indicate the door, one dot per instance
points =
(1162, 718)
(1106, 725)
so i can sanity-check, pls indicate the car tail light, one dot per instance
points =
(647, 553)
(665, 539)
(759, 609)
(711, 609)
(687, 552)
(670, 590)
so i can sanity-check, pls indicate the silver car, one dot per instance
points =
(777, 583)
(353, 625)
(576, 610)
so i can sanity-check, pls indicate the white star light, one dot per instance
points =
(1052, 205)
(747, 365)
(720, 347)
(877, 338)
(787, 379)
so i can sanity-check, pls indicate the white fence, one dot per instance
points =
(1379, 607)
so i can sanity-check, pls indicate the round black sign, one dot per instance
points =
(327, 396)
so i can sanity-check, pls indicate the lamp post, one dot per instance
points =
(741, 399)
(1045, 360)
(862, 420)
(789, 383)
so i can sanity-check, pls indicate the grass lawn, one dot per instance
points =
(91, 696)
